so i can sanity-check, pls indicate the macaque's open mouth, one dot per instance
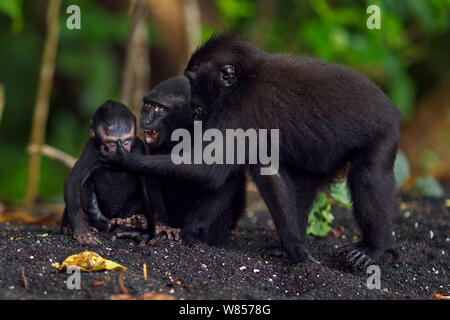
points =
(151, 136)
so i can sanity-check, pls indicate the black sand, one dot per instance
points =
(419, 267)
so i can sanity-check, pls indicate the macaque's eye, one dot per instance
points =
(227, 75)
(127, 142)
(110, 144)
(147, 107)
(160, 110)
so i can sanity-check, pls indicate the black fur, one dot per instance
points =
(204, 214)
(328, 116)
(95, 193)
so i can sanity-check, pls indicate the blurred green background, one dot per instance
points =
(408, 57)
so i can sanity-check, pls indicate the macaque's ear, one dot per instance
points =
(91, 131)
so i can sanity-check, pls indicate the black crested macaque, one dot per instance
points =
(203, 214)
(328, 117)
(99, 197)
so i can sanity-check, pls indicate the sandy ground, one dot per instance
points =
(418, 267)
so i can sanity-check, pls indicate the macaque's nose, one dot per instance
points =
(126, 145)
(127, 148)
(112, 149)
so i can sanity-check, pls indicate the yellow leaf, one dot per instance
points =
(439, 296)
(89, 261)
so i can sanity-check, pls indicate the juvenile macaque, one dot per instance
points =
(99, 197)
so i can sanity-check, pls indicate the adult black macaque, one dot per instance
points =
(202, 213)
(96, 195)
(328, 116)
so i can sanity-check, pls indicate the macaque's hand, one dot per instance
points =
(141, 236)
(162, 230)
(136, 221)
(114, 159)
(86, 237)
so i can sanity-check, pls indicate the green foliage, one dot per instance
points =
(13, 8)
(429, 187)
(234, 11)
(339, 193)
(88, 72)
(336, 31)
(429, 159)
(401, 168)
(207, 32)
(425, 185)
(320, 216)
(89, 65)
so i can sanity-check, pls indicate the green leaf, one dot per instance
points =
(318, 228)
(327, 215)
(321, 199)
(401, 168)
(13, 8)
(234, 10)
(339, 193)
(320, 217)
(428, 186)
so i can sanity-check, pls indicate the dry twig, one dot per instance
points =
(24, 279)
(43, 97)
(115, 287)
(144, 270)
(120, 280)
(136, 71)
(192, 17)
(53, 153)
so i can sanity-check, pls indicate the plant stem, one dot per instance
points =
(43, 96)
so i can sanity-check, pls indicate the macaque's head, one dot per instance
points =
(113, 122)
(218, 68)
(165, 109)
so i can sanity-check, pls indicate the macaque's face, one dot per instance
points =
(109, 136)
(153, 118)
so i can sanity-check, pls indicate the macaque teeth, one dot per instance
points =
(152, 132)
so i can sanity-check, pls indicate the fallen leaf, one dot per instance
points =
(89, 261)
(52, 219)
(439, 296)
(152, 295)
(97, 283)
(19, 216)
(122, 296)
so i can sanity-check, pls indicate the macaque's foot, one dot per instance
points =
(275, 251)
(279, 252)
(136, 221)
(357, 256)
(65, 230)
(139, 235)
(86, 238)
(162, 231)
